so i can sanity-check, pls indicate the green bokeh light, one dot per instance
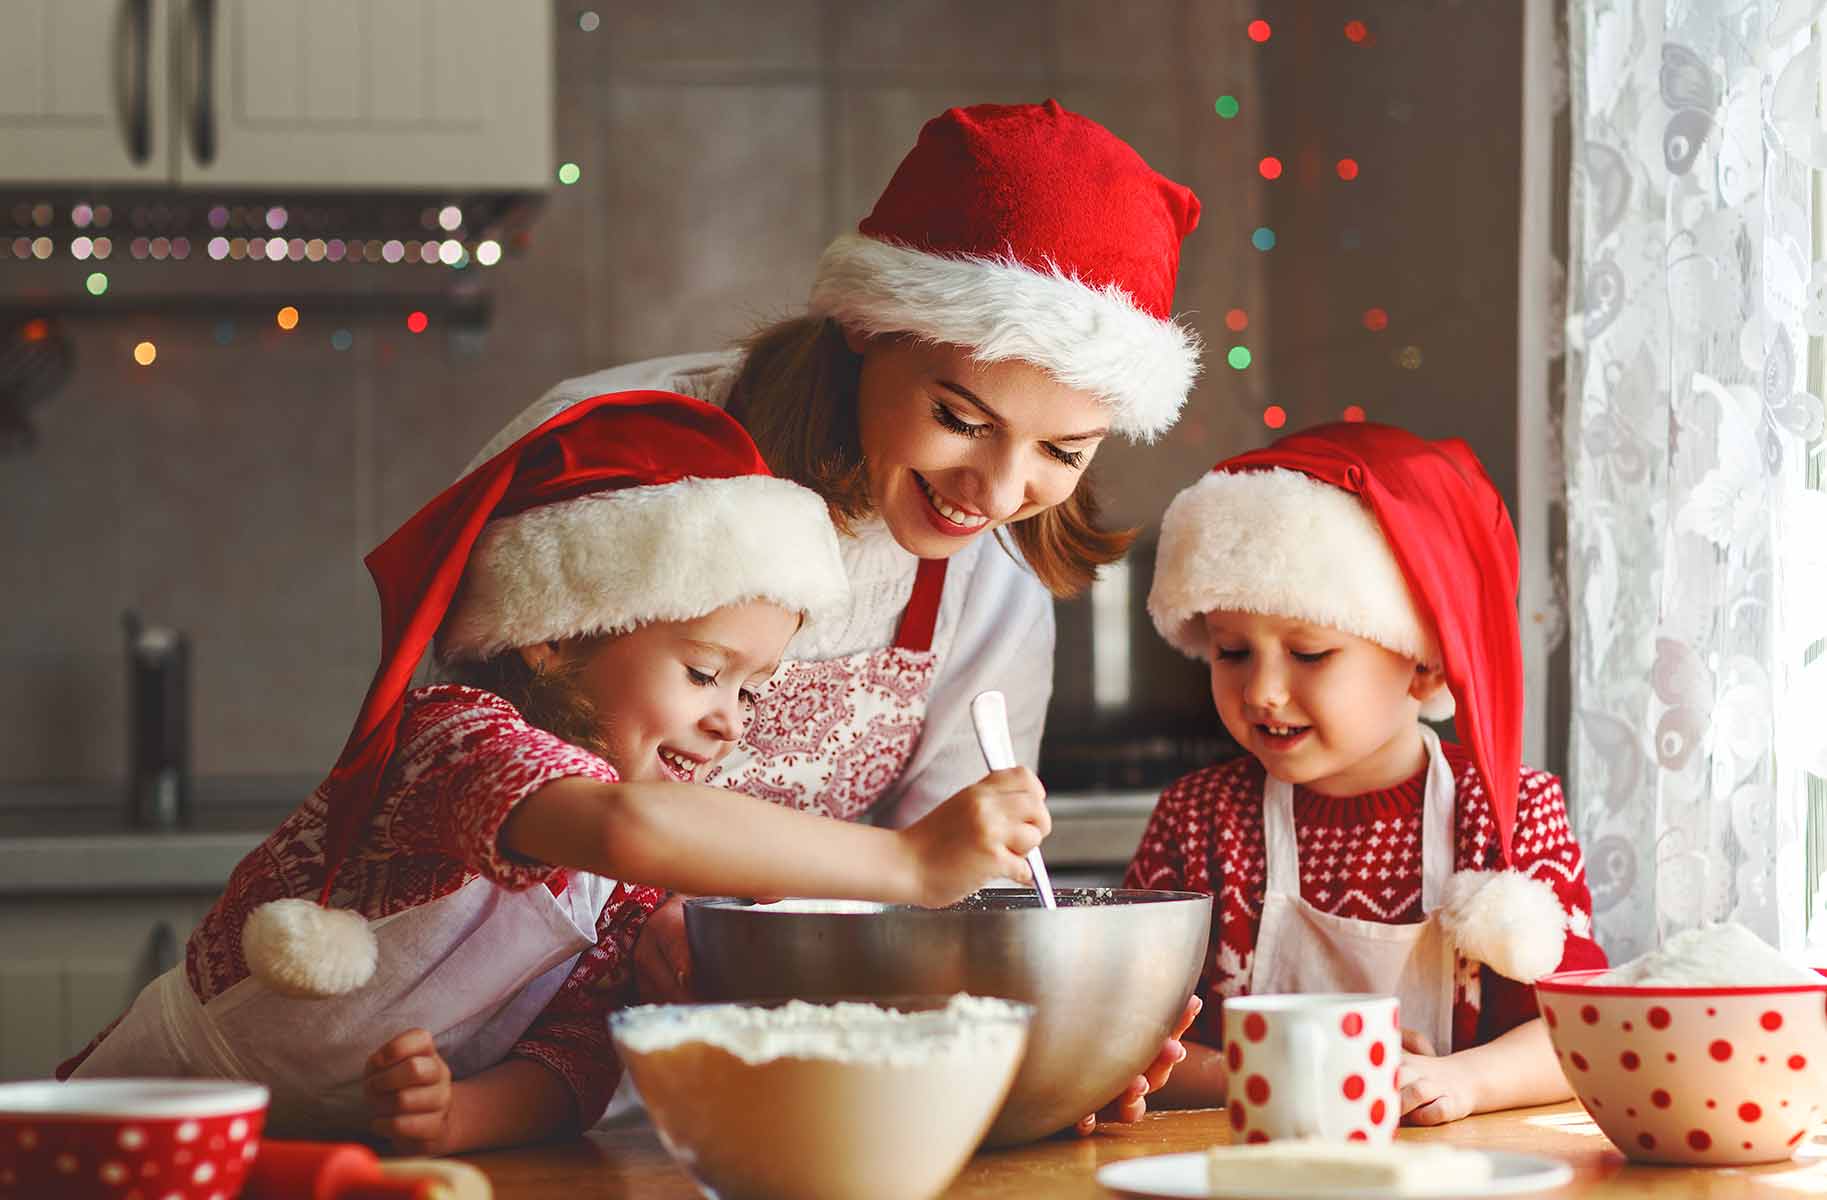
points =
(1263, 238)
(1227, 106)
(1239, 358)
(569, 173)
(97, 282)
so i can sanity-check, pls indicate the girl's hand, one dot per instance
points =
(662, 956)
(979, 834)
(1132, 1104)
(407, 1085)
(1432, 1089)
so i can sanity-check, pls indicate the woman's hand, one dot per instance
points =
(662, 956)
(408, 1088)
(979, 834)
(1132, 1104)
(1433, 1089)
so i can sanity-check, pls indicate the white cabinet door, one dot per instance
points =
(85, 92)
(71, 965)
(360, 94)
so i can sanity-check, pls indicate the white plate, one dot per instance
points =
(1183, 1177)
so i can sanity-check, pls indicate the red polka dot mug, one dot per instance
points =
(128, 1139)
(1321, 1065)
(1712, 1076)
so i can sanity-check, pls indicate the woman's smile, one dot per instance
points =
(948, 518)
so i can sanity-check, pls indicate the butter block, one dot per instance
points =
(1307, 1165)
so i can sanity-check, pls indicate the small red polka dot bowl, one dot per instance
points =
(1709, 1076)
(128, 1139)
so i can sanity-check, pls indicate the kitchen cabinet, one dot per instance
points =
(71, 964)
(369, 95)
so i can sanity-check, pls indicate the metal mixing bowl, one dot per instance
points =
(1108, 974)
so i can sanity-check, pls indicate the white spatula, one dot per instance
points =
(990, 717)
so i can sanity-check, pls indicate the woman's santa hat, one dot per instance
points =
(1023, 231)
(620, 510)
(1374, 531)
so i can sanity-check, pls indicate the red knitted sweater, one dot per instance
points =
(1360, 856)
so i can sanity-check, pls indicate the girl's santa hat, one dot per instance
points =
(1023, 231)
(1404, 542)
(620, 510)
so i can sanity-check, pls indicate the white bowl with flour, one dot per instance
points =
(823, 1100)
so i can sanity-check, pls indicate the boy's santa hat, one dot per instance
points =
(621, 509)
(1023, 231)
(1404, 542)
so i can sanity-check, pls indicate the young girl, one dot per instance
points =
(1344, 583)
(610, 591)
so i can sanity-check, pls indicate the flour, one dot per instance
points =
(798, 905)
(1726, 955)
(845, 1032)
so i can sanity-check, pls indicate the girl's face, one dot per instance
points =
(1332, 712)
(954, 448)
(672, 697)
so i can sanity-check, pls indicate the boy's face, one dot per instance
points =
(955, 448)
(1321, 708)
(673, 697)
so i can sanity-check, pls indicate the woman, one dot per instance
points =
(1004, 308)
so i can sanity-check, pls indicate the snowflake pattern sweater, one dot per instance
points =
(1360, 857)
(463, 760)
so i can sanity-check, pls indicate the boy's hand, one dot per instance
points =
(662, 956)
(1132, 1104)
(979, 834)
(407, 1085)
(1432, 1089)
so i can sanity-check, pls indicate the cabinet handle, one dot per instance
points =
(164, 948)
(202, 58)
(134, 63)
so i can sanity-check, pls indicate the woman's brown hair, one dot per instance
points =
(548, 697)
(796, 395)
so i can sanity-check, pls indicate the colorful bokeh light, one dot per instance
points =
(1269, 167)
(1274, 416)
(1356, 31)
(416, 322)
(286, 318)
(1236, 320)
(1239, 358)
(1375, 320)
(1227, 107)
(145, 353)
(1354, 413)
(1348, 169)
(569, 173)
(97, 283)
(1263, 238)
(1258, 30)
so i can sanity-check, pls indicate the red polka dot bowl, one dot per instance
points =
(128, 1139)
(1709, 1076)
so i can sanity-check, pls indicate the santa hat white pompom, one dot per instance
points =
(1512, 922)
(300, 948)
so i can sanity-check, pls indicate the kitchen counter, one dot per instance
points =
(629, 1164)
(76, 841)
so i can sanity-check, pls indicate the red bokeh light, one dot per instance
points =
(1354, 413)
(1348, 168)
(1270, 167)
(1274, 416)
(1355, 31)
(1376, 320)
(417, 321)
(1258, 31)
(37, 329)
(1236, 320)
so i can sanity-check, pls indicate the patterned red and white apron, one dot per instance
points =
(831, 737)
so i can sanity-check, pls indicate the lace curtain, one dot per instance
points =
(1692, 438)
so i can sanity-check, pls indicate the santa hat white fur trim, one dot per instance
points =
(299, 948)
(1512, 922)
(1282, 543)
(606, 562)
(1091, 338)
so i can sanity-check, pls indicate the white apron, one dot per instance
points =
(473, 968)
(831, 737)
(1301, 949)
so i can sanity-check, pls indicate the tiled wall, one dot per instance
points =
(231, 490)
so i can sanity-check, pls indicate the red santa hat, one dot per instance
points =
(1023, 231)
(1405, 542)
(620, 510)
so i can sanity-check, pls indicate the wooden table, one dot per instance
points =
(629, 1164)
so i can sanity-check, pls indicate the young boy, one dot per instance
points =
(1345, 583)
(609, 591)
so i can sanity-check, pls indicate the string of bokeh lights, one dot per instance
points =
(1263, 238)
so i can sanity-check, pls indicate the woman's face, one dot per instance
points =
(673, 697)
(954, 448)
